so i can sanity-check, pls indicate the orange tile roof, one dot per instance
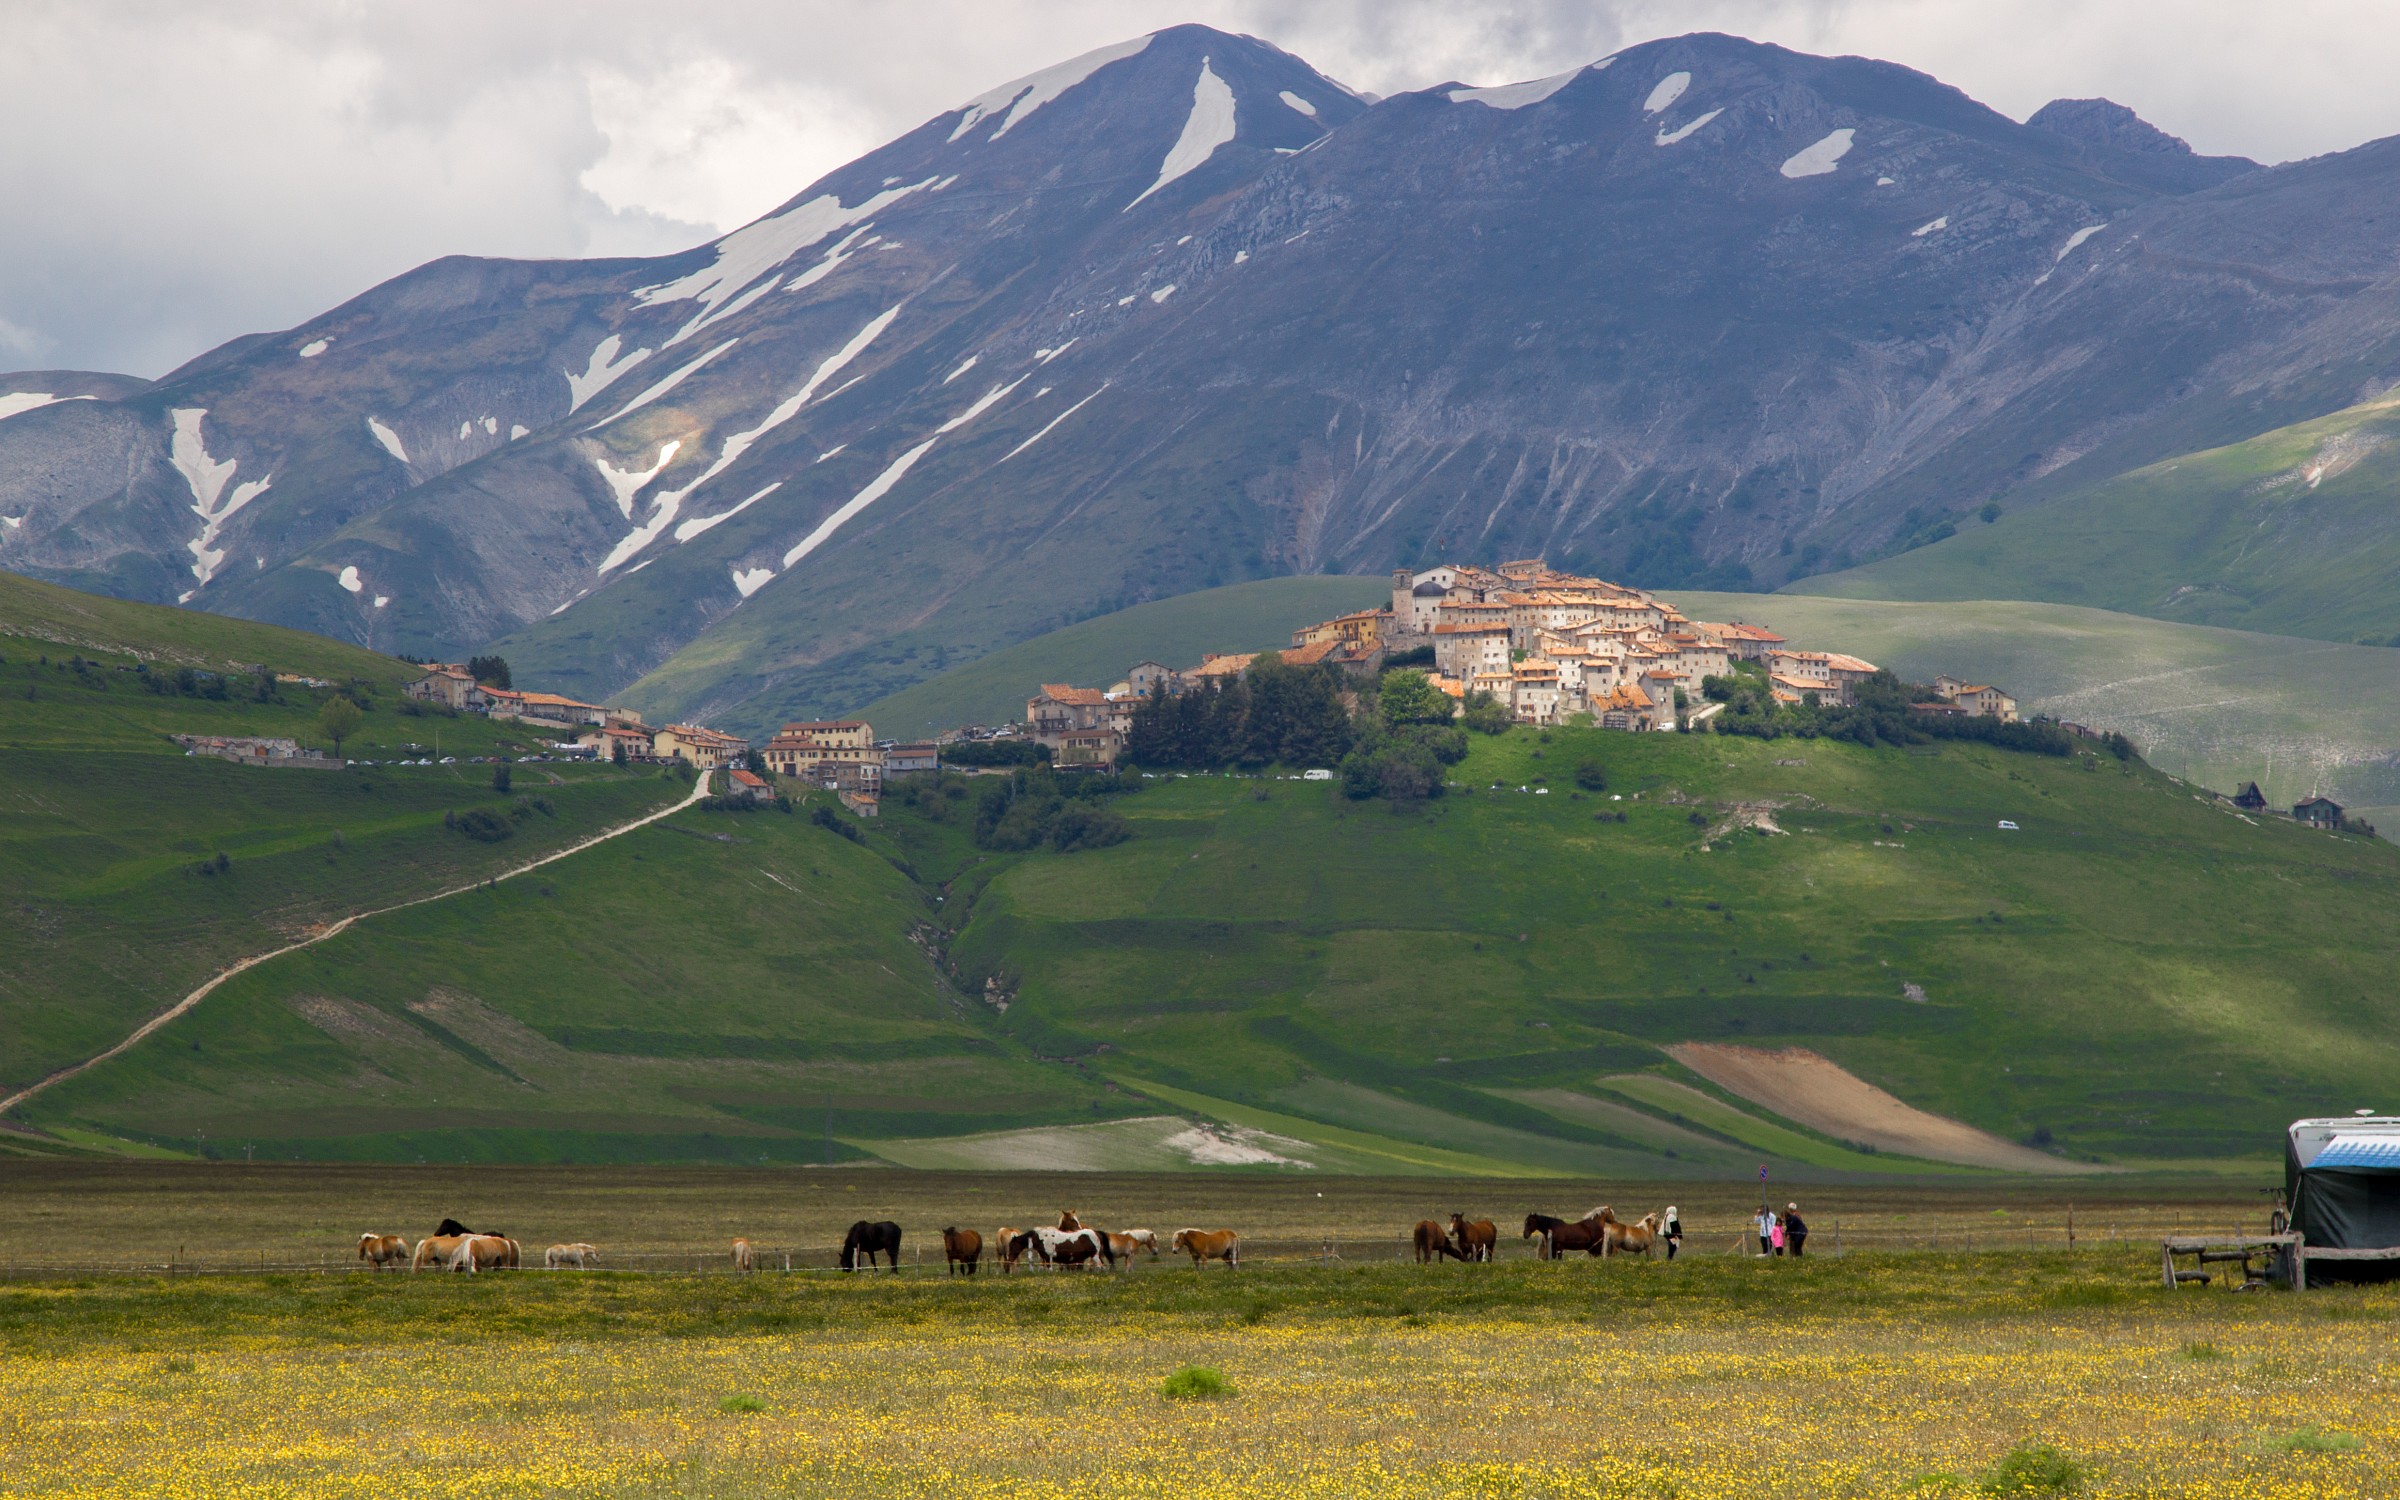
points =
(742, 777)
(1059, 692)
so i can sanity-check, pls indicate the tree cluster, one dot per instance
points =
(1272, 714)
(995, 753)
(490, 671)
(1881, 712)
(1404, 742)
(1032, 808)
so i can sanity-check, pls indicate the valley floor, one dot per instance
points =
(1880, 1371)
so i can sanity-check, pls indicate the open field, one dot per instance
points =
(1871, 1373)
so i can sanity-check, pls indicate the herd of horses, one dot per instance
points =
(1072, 1245)
(1599, 1232)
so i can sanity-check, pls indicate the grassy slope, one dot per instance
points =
(2232, 536)
(2137, 970)
(712, 987)
(2218, 706)
(103, 819)
(1097, 652)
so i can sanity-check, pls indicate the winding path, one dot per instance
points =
(699, 790)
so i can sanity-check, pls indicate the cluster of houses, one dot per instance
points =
(2315, 811)
(257, 750)
(842, 755)
(1546, 645)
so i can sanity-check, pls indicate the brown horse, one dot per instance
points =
(961, 1247)
(1125, 1245)
(1433, 1242)
(1011, 1247)
(380, 1250)
(435, 1250)
(1205, 1245)
(1067, 1220)
(1559, 1236)
(1476, 1240)
(484, 1252)
(1636, 1238)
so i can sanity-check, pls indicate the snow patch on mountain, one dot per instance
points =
(600, 371)
(315, 347)
(349, 579)
(1819, 159)
(12, 403)
(2075, 239)
(1931, 227)
(1053, 422)
(1208, 126)
(699, 524)
(962, 369)
(833, 258)
(207, 478)
(1682, 132)
(1164, 292)
(1044, 356)
(1298, 103)
(877, 488)
(626, 483)
(757, 250)
(1519, 95)
(748, 583)
(983, 403)
(517, 430)
(662, 387)
(1027, 94)
(1670, 89)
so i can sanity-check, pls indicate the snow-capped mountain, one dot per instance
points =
(1184, 310)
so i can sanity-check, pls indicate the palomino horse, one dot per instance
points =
(961, 1247)
(577, 1255)
(1130, 1242)
(484, 1252)
(871, 1240)
(742, 1259)
(1433, 1242)
(1633, 1239)
(1205, 1245)
(1476, 1239)
(435, 1250)
(380, 1250)
(1010, 1246)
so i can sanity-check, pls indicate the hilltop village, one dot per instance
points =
(1544, 646)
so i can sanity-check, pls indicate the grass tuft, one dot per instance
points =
(2314, 1439)
(2033, 1469)
(740, 1402)
(1195, 1383)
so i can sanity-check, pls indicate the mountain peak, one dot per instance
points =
(2107, 124)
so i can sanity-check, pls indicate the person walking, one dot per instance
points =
(1674, 1232)
(1777, 1236)
(1765, 1224)
(1795, 1229)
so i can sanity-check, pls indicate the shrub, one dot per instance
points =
(825, 817)
(995, 753)
(1195, 1383)
(500, 779)
(480, 824)
(1592, 776)
(2032, 1469)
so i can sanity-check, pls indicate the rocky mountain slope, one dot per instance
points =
(1184, 311)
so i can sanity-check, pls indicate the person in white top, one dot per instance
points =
(1765, 1223)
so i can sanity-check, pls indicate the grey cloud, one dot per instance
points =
(180, 176)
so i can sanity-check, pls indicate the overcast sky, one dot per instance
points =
(175, 174)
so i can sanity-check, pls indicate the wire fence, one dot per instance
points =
(924, 1256)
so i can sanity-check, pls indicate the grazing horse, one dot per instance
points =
(742, 1260)
(1131, 1240)
(436, 1250)
(1433, 1242)
(1476, 1239)
(1636, 1238)
(1012, 1246)
(1205, 1245)
(577, 1255)
(380, 1250)
(961, 1247)
(1058, 1247)
(871, 1240)
(484, 1252)
(453, 1227)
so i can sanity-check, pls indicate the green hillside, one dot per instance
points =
(2136, 971)
(109, 833)
(1095, 653)
(2288, 532)
(2219, 707)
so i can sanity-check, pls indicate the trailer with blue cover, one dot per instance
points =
(2341, 1177)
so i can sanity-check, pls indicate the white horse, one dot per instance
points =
(578, 1255)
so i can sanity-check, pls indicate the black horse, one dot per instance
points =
(452, 1226)
(871, 1240)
